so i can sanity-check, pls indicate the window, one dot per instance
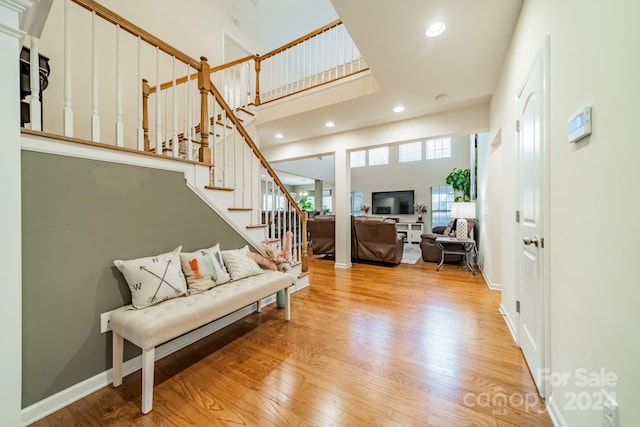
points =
(441, 201)
(358, 159)
(327, 200)
(410, 152)
(356, 202)
(438, 148)
(379, 156)
(272, 203)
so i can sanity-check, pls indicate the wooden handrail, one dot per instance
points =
(231, 116)
(194, 76)
(300, 39)
(233, 63)
(136, 31)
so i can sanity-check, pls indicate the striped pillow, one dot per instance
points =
(239, 265)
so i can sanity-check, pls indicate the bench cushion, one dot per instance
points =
(162, 322)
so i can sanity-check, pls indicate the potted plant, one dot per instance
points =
(306, 204)
(460, 180)
(420, 209)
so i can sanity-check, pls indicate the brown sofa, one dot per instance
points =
(431, 252)
(322, 234)
(377, 239)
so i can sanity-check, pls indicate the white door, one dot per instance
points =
(531, 132)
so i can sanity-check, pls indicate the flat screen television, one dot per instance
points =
(392, 202)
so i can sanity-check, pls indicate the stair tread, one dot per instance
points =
(256, 226)
(241, 209)
(213, 187)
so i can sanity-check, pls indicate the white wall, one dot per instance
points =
(594, 288)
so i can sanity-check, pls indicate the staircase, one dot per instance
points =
(171, 106)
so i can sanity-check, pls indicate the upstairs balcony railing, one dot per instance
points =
(323, 56)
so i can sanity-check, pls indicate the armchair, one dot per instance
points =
(322, 234)
(431, 252)
(377, 239)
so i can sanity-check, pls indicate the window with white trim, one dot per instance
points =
(358, 159)
(378, 156)
(356, 202)
(410, 152)
(441, 201)
(439, 148)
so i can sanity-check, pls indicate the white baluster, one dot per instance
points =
(158, 105)
(119, 124)
(34, 80)
(95, 118)
(139, 97)
(175, 110)
(187, 113)
(67, 112)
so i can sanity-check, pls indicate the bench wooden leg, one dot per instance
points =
(148, 357)
(118, 350)
(287, 304)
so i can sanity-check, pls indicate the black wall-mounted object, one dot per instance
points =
(25, 83)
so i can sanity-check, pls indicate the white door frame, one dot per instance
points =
(543, 53)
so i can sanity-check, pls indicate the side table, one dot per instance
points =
(455, 246)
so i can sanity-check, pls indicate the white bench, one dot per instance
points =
(151, 326)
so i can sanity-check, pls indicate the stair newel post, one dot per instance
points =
(204, 83)
(258, 65)
(303, 238)
(146, 90)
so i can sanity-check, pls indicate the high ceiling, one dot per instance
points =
(409, 68)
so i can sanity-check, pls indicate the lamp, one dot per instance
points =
(462, 211)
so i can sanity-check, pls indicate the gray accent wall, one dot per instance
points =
(78, 216)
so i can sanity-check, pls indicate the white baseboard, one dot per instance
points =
(76, 392)
(342, 265)
(490, 284)
(509, 322)
(554, 413)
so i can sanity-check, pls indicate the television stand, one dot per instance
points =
(412, 230)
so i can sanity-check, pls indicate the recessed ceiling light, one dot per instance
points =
(398, 109)
(442, 97)
(329, 124)
(435, 29)
(279, 135)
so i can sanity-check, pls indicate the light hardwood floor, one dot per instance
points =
(367, 346)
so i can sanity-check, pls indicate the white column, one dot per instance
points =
(10, 225)
(342, 209)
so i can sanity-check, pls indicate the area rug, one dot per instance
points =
(411, 253)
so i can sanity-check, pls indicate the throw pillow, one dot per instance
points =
(153, 279)
(449, 228)
(239, 265)
(204, 269)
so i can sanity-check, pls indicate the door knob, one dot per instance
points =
(530, 241)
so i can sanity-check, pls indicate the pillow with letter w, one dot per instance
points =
(204, 269)
(153, 279)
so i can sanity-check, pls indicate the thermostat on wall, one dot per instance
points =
(580, 125)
